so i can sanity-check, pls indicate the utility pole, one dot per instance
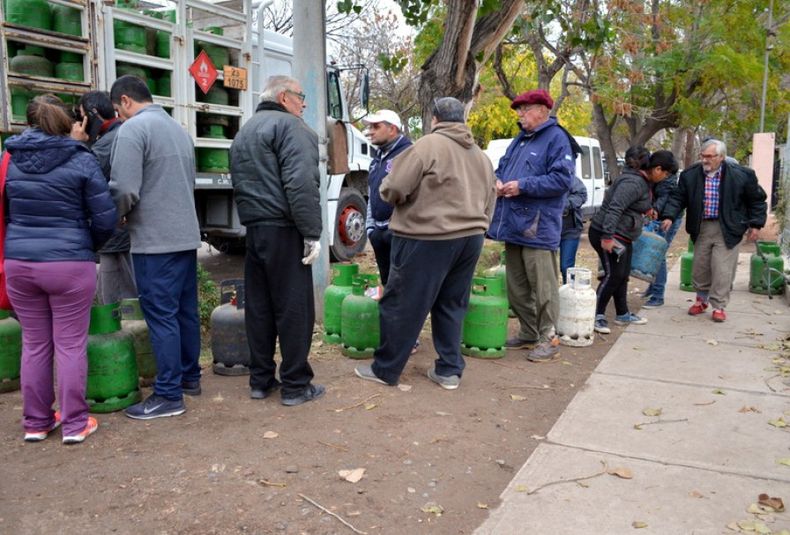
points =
(769, 34)
(310, 69)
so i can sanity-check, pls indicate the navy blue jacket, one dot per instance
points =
(543, 164)
(381, 211)
(572, 220)
(59, 204)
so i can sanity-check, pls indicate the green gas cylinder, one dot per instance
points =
(359, 319)
(211, 160)
(500, 271)
(220, 56)
(10, 352)
(485, 323)
(20, 97)
(164, 85)
(135, 70)
(112, 368)
(766, 273)
(342, 279)
(133, 323)
(66, 20)
(33, 13)
(163, 38)
(129, 36)
(31, 61)
(686, 265)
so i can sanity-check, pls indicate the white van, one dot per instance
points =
(589, 168)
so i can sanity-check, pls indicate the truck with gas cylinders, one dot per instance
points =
(205, 63)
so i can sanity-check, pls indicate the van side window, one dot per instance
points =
(586, 162)
(596, 158)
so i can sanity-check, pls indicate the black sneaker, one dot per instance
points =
(263, 393)
(520, 343)
(191, 388)
(155, 407)
(310, 393)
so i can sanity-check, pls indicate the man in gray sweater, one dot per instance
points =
(153, 180)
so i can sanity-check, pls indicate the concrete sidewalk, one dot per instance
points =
(698, 466)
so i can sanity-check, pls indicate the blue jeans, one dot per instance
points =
(657, 287)
(568, 248)
(167, 284)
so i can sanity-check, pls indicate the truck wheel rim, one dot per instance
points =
(350, 225)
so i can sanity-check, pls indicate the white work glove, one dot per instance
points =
(311, 250)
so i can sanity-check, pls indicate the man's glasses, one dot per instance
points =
(297, 93)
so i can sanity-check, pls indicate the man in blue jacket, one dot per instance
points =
(384, 132)
(533, 180)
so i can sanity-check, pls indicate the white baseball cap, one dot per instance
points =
(384, 116)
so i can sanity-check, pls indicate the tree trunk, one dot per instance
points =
(452, 70)
(603, 130)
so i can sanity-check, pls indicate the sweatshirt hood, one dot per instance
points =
(36, 152)
(458, 132)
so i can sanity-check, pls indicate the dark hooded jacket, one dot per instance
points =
(59, 204)
(624, 204)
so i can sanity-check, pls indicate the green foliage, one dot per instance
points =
(208, 297)
(416, 12)
(394, 63)
(348, 6)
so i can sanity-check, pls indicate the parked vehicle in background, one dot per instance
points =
(74, 46)
(589, 168)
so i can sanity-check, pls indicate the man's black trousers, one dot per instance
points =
(279, 303)
(425, 276)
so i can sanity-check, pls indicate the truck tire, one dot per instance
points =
(350, 236)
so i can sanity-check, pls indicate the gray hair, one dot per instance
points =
(276, 85)
(448, 109)
(721, 148)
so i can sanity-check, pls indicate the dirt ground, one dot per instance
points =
(234, 465)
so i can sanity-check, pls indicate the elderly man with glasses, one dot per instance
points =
(723, 201)
(533, 180)
(274, 168)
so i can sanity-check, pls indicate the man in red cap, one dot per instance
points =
(533, 180)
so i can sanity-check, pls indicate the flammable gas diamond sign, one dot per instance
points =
(203, 71)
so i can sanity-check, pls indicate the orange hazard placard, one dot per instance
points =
(234, 77)
(203, 71)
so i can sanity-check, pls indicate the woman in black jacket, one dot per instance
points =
(618, 223)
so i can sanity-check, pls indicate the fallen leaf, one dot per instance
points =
(651, 412)
(482, 505)
(773, 502)
(521, 488)
(757, 509)
(711, 402)
(537, 437)
(218, 398)
(442, 413)
(746, 409)
(516, 397)
(638, 427)
(779, 422)
(636, 524)
(583, 484)
(623, 473)
(433, 508)
(784, 460)
(370, 406)
(696, 494)
(712, 342)
(720, 392)
(352, 476)
(404, 388)
(271, 434)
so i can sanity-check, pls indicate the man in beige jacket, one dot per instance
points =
(443, 190)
